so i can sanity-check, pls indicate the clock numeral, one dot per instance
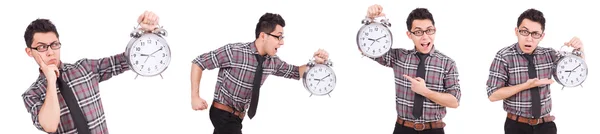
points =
(387, 41)
(164, 55)
(577, 79)
(134, 55)
(137, 62)
(376, 29)
(142, 67)
(373, 51)
(155, 67)
(320, 69)
(142, 43)
(562, 67)
(137, 49)
(155, 42)
(149, 41)
(570, 60)
(581, 75)
(148, 69)
(161, 62)
(312, 75)
(311, 85)
(370, 30)
(364, 44)
(366, 34)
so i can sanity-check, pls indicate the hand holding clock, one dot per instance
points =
(148, 21)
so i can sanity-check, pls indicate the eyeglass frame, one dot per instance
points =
(530, 33)
(53, 46)
(423, 32)
(278, 37)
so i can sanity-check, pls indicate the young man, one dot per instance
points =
(241, 74)
(520, 75)
(426, 79)
(65, 98)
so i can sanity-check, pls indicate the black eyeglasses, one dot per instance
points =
(44, 48)
(535, 35)
(421, 32)
(278, 37)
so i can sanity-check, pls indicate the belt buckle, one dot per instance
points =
(417, 128)
(531, 122)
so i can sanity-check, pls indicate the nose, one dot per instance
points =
(281, 42)
(49, 52)
(529, 38)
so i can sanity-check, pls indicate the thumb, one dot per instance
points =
(419, 79)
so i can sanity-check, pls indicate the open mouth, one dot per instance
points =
(528, 46)
(426, 45)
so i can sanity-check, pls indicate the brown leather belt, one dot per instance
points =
(530, 121)
(229, 109)
(421, 126)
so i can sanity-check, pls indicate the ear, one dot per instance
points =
(543, 34)
(516, 31)
(28, 51)
(408, 34)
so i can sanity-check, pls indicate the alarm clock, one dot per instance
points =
(319, 79)
(148, 52)
(570, 70)
(374, 39)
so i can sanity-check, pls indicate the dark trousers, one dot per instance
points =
(225, 122)
(514, 127)
(401, 129)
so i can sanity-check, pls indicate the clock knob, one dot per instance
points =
(161, 32)
(136, 33)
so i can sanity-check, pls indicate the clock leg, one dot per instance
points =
(136, 77)
(161, 77)
(563, 88)
(581, 85)
(329, 95)
(310, 95)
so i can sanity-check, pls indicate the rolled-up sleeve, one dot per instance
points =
(498, 76)
(451, 81)
(286, 70)
(34, 99)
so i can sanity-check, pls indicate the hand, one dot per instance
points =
(417, 84)
(321, 56)
(375, 11)
(575, 43)
(198, 103)
(535, 82)
(148, 21)
(50, 71)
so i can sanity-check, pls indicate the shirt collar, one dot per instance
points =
(254, 50)
(516, 47)
(431, 52)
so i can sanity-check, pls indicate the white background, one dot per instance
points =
(363, 101)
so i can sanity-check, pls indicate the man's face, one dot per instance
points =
(529, 34)
(422, 34)
(273, 41)
(46, 43)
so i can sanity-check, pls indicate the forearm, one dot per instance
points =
(444, 99)
(49, 115)
(505, 92)
(301, 70)
(196, 75)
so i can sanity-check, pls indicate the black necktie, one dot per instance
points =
(418, 102)
(535, 93)
(75, 110)
(256, 86)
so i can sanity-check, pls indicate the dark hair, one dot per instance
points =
(533, 15)
(418, 14)
(38, 26)
(268, 22)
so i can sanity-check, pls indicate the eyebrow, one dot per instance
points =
(42, 43)
(416, 28)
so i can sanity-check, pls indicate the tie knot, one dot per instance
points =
(529, 57)
(422, 56)
(259, 58)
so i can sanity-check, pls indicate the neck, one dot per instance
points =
(259, 47)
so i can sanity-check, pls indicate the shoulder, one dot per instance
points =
(507, 51)
(37, 87)
(447, 59)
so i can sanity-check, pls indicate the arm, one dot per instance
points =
(288, 70)
(388, 58)
(108, 67)
(219, 58)
(498, 77)
(451, 97)
(44, 108)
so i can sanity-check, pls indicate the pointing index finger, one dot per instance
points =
(409, 78)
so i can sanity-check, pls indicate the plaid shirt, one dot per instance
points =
(237, 64)
(441, 75)
(83, 77)
(509, 68)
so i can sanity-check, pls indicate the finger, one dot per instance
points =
(408, 77)
(40, 60)
(576, 44)
(419, 79)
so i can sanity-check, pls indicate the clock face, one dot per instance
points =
(149, 55)
(571, 71)
(320, 80)
(374, 40)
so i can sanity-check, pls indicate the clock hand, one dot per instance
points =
(576, 67)
(380, 38)
(156, 51)
(144, 55)
(370, 39)
(325, 76)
